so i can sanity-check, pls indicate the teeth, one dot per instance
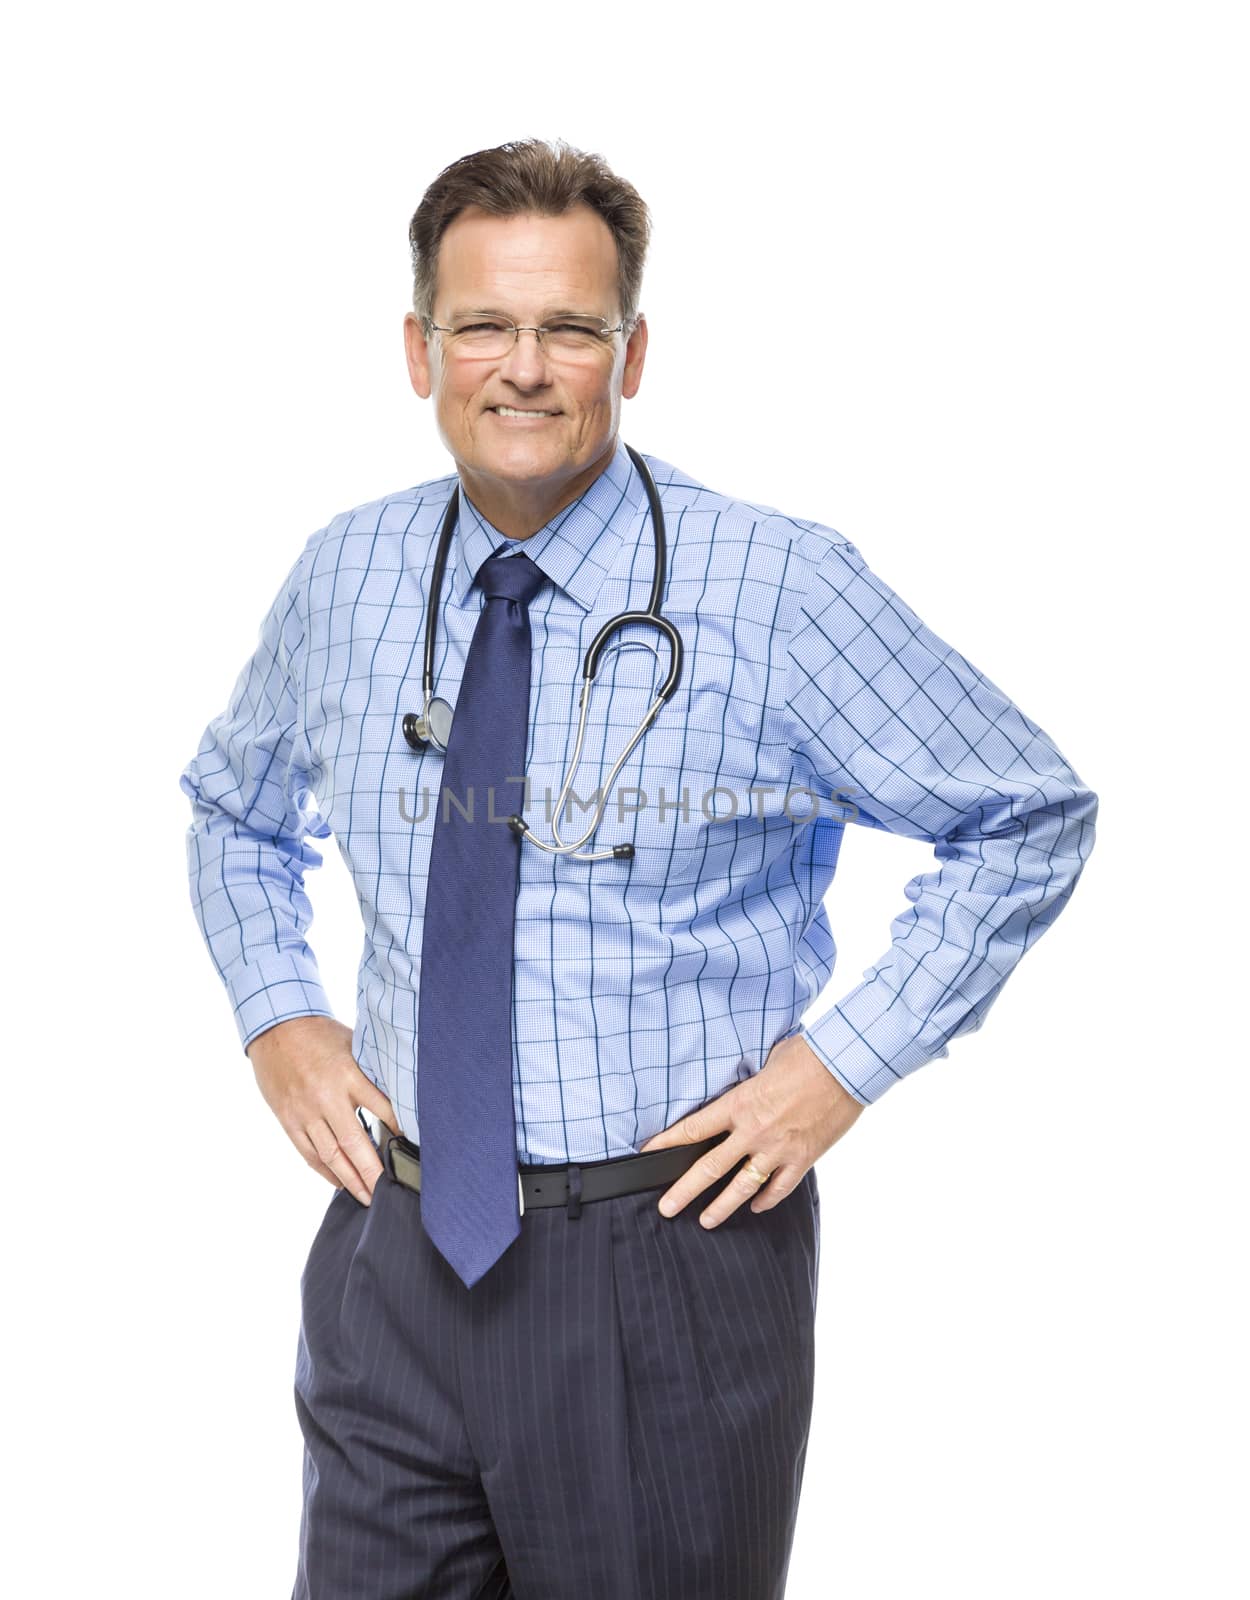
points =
(509, 411)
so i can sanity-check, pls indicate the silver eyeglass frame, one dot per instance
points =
(605, 333)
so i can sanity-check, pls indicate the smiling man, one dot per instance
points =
(558, 1331)
(529, 431)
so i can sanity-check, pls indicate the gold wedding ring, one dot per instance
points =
(752, 1171)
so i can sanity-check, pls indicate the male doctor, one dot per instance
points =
(558, 1321)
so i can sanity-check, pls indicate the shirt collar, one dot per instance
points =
(576, 549)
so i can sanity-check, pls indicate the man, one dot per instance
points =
(558, 1321)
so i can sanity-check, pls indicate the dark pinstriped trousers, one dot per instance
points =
(619, 1408)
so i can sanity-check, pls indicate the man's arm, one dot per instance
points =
(247, 848)
(888, 716)
(247, 852)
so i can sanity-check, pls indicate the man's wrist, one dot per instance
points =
(286, 1029)
(831, 1066)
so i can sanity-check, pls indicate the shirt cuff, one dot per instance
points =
(869, 1049)
(273, 989)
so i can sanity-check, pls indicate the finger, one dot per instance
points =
(372, 1098)
(782, 1181)
(305, 1146)
(773, 1192)
(344, 1156)
(708, 1169)
(715, 1117)
(356, 1140)
(741, 1189)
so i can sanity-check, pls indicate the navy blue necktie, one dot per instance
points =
(470, 1205)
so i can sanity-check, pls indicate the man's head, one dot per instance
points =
(527, 231)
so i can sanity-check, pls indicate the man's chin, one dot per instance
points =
(521, 460)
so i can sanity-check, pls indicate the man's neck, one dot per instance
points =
(518, 510)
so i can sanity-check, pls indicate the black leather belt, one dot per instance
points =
(571, 1185)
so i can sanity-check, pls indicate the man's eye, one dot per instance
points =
(591, 330)
(484, 326)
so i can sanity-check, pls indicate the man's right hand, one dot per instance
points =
(312, 1084)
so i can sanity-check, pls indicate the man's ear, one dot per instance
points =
(635, 355)
(417, 350)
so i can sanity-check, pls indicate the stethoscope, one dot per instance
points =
(433, 726)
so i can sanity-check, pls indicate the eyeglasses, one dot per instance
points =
(474, 337)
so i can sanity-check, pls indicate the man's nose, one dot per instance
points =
(526, 363)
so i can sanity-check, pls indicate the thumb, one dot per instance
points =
(374, 1100)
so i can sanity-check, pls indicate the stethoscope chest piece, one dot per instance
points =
(432, 728)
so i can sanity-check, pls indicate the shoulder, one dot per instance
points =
(396, 513)
(358, 536)
(749, 536)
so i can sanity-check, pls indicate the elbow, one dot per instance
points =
(1082, 811)
(1073, 844)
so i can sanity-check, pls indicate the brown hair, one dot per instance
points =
(530, 175)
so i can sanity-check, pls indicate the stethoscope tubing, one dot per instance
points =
(419, 731)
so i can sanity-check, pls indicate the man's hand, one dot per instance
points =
(309, 1077)
(784, 1118)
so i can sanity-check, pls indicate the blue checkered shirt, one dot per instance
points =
(811, 697)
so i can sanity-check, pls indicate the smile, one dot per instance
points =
(511, 411)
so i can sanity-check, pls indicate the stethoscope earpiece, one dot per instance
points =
(433, 726)
(621, 852)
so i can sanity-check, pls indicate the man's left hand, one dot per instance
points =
(784, 1118)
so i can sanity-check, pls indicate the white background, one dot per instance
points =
(1012, 241)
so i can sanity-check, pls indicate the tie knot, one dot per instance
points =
(515, 577)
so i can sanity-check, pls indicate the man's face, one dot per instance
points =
(527, 268)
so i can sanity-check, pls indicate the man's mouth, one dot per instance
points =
(516, 411)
